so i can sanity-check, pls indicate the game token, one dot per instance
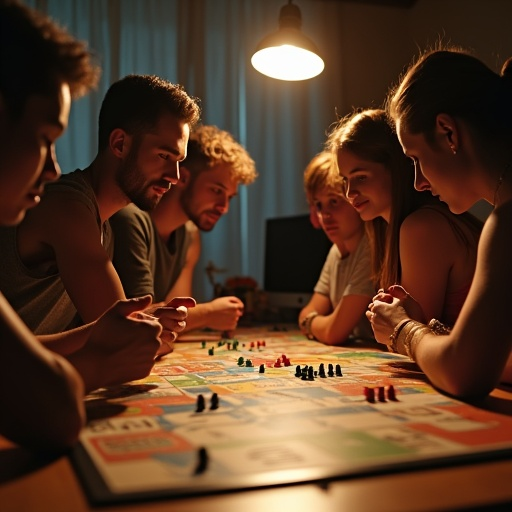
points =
(214, 404)
(262, 368)
(200, 403)
(381, 395)
(391, 393)
(202, 461)
(338, 371)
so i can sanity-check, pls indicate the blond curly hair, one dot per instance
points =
(209, 146)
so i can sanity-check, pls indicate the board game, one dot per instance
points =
(273, 408)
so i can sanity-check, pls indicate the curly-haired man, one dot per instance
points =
(156, 251)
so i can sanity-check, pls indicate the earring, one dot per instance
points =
(453, 148)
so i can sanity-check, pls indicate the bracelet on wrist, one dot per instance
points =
(394, 335)
(438, 328)
(305, 324)
(410, 336)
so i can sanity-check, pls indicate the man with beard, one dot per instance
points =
(156, 251)
(57, 271)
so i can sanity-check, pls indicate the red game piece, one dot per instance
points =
(370, 395)
(391, 393)
(381, 395)
(277, 364)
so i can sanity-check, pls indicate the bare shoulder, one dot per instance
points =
(495, 237)
(57, 220)
(425, 223)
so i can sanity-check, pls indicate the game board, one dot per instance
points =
(147, 439)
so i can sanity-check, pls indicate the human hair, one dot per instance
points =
(209, 146)
(321, 173)
(452, 81)
(136, 102)
(37, 55)
(369, 135)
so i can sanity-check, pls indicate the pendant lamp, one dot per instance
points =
(288, 54)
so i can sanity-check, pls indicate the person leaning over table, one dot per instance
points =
(56, 267)
(41, 397)
(453, 116)
(156, 252)
(336, 309)
(402, 222)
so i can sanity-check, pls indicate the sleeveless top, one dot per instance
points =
(39, 297)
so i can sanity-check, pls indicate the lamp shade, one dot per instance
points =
(288, 54)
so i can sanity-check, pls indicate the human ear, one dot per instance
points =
(447, 132)
(118, 142)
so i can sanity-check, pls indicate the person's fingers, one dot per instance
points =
(175, 302)
(398, 292)
(129, 306)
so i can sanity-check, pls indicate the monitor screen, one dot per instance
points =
(295, 253)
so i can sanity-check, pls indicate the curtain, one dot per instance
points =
(206, 46)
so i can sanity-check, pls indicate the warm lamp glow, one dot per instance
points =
(288, 54)
(287, 62)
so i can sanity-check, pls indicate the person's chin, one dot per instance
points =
(206, 226)
(12, 218)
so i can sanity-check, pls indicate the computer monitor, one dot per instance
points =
(295, 253)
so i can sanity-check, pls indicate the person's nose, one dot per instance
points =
(51, 169)
(420, 182)
(172, 174)
(350, 191)
(222, 206)
(325, 213)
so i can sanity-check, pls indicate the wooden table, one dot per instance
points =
(28, 484)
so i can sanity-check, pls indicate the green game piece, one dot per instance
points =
(240, 361)
(248, 362)
(203, 344)
(210, 351)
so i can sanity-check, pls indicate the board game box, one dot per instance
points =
(273, 408)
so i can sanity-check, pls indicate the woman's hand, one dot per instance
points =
(388, 309)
